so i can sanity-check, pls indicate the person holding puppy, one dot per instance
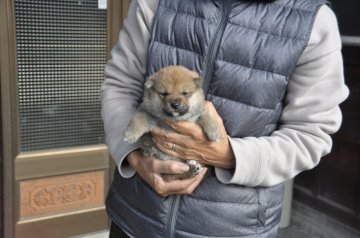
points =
(273, 81)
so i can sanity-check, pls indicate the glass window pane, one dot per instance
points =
(61, 56)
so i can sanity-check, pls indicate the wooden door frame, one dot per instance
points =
(1, 175)
(8, 115)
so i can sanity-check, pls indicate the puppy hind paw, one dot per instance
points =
(194, 167)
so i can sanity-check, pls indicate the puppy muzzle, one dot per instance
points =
(175, 108)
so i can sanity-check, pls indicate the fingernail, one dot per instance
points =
(184, 168)
(170, 123)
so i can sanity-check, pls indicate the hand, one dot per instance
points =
(150, 169)
(191, 143)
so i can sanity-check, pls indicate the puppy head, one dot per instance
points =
(174, 92)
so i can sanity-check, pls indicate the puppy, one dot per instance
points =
(173, 93)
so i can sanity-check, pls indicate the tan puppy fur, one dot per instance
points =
(173, 93)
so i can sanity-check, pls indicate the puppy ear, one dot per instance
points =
(199, 81)
(150, 81)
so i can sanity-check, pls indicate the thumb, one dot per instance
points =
(169, 166)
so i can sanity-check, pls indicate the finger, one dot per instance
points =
(186, 186)
(194, 185)
(180, 150)
(188, 128)
(162, 140)
(166, 135)
(169, 137)
(171, 149)
(168, 166)
(157, 132)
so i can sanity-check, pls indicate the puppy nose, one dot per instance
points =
(175, 105)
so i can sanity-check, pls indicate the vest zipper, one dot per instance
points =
(213, 50)
(175, 202)
(214, 45)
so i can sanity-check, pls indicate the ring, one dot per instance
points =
(173, 147)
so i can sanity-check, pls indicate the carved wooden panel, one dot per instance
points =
(61, 193)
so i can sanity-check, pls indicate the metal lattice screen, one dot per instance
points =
(61, 47)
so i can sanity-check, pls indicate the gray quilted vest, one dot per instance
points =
(246, 52)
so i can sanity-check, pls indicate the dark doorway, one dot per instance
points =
(333, 187)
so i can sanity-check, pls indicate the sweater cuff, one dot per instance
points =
(125, 169)
(249, 163)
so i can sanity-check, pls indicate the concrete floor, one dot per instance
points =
(309, 223)
(305, 223)
(100, 234)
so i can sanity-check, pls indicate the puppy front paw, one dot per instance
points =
(131, 137)
(210, 127)
(214, 135)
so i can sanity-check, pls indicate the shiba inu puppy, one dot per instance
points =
(172, 93)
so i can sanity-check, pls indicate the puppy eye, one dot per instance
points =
(164, 94)
(186, 94)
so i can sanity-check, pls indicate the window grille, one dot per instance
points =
(61, 53)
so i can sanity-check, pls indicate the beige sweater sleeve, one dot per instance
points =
(122, 88)
(310, 115)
